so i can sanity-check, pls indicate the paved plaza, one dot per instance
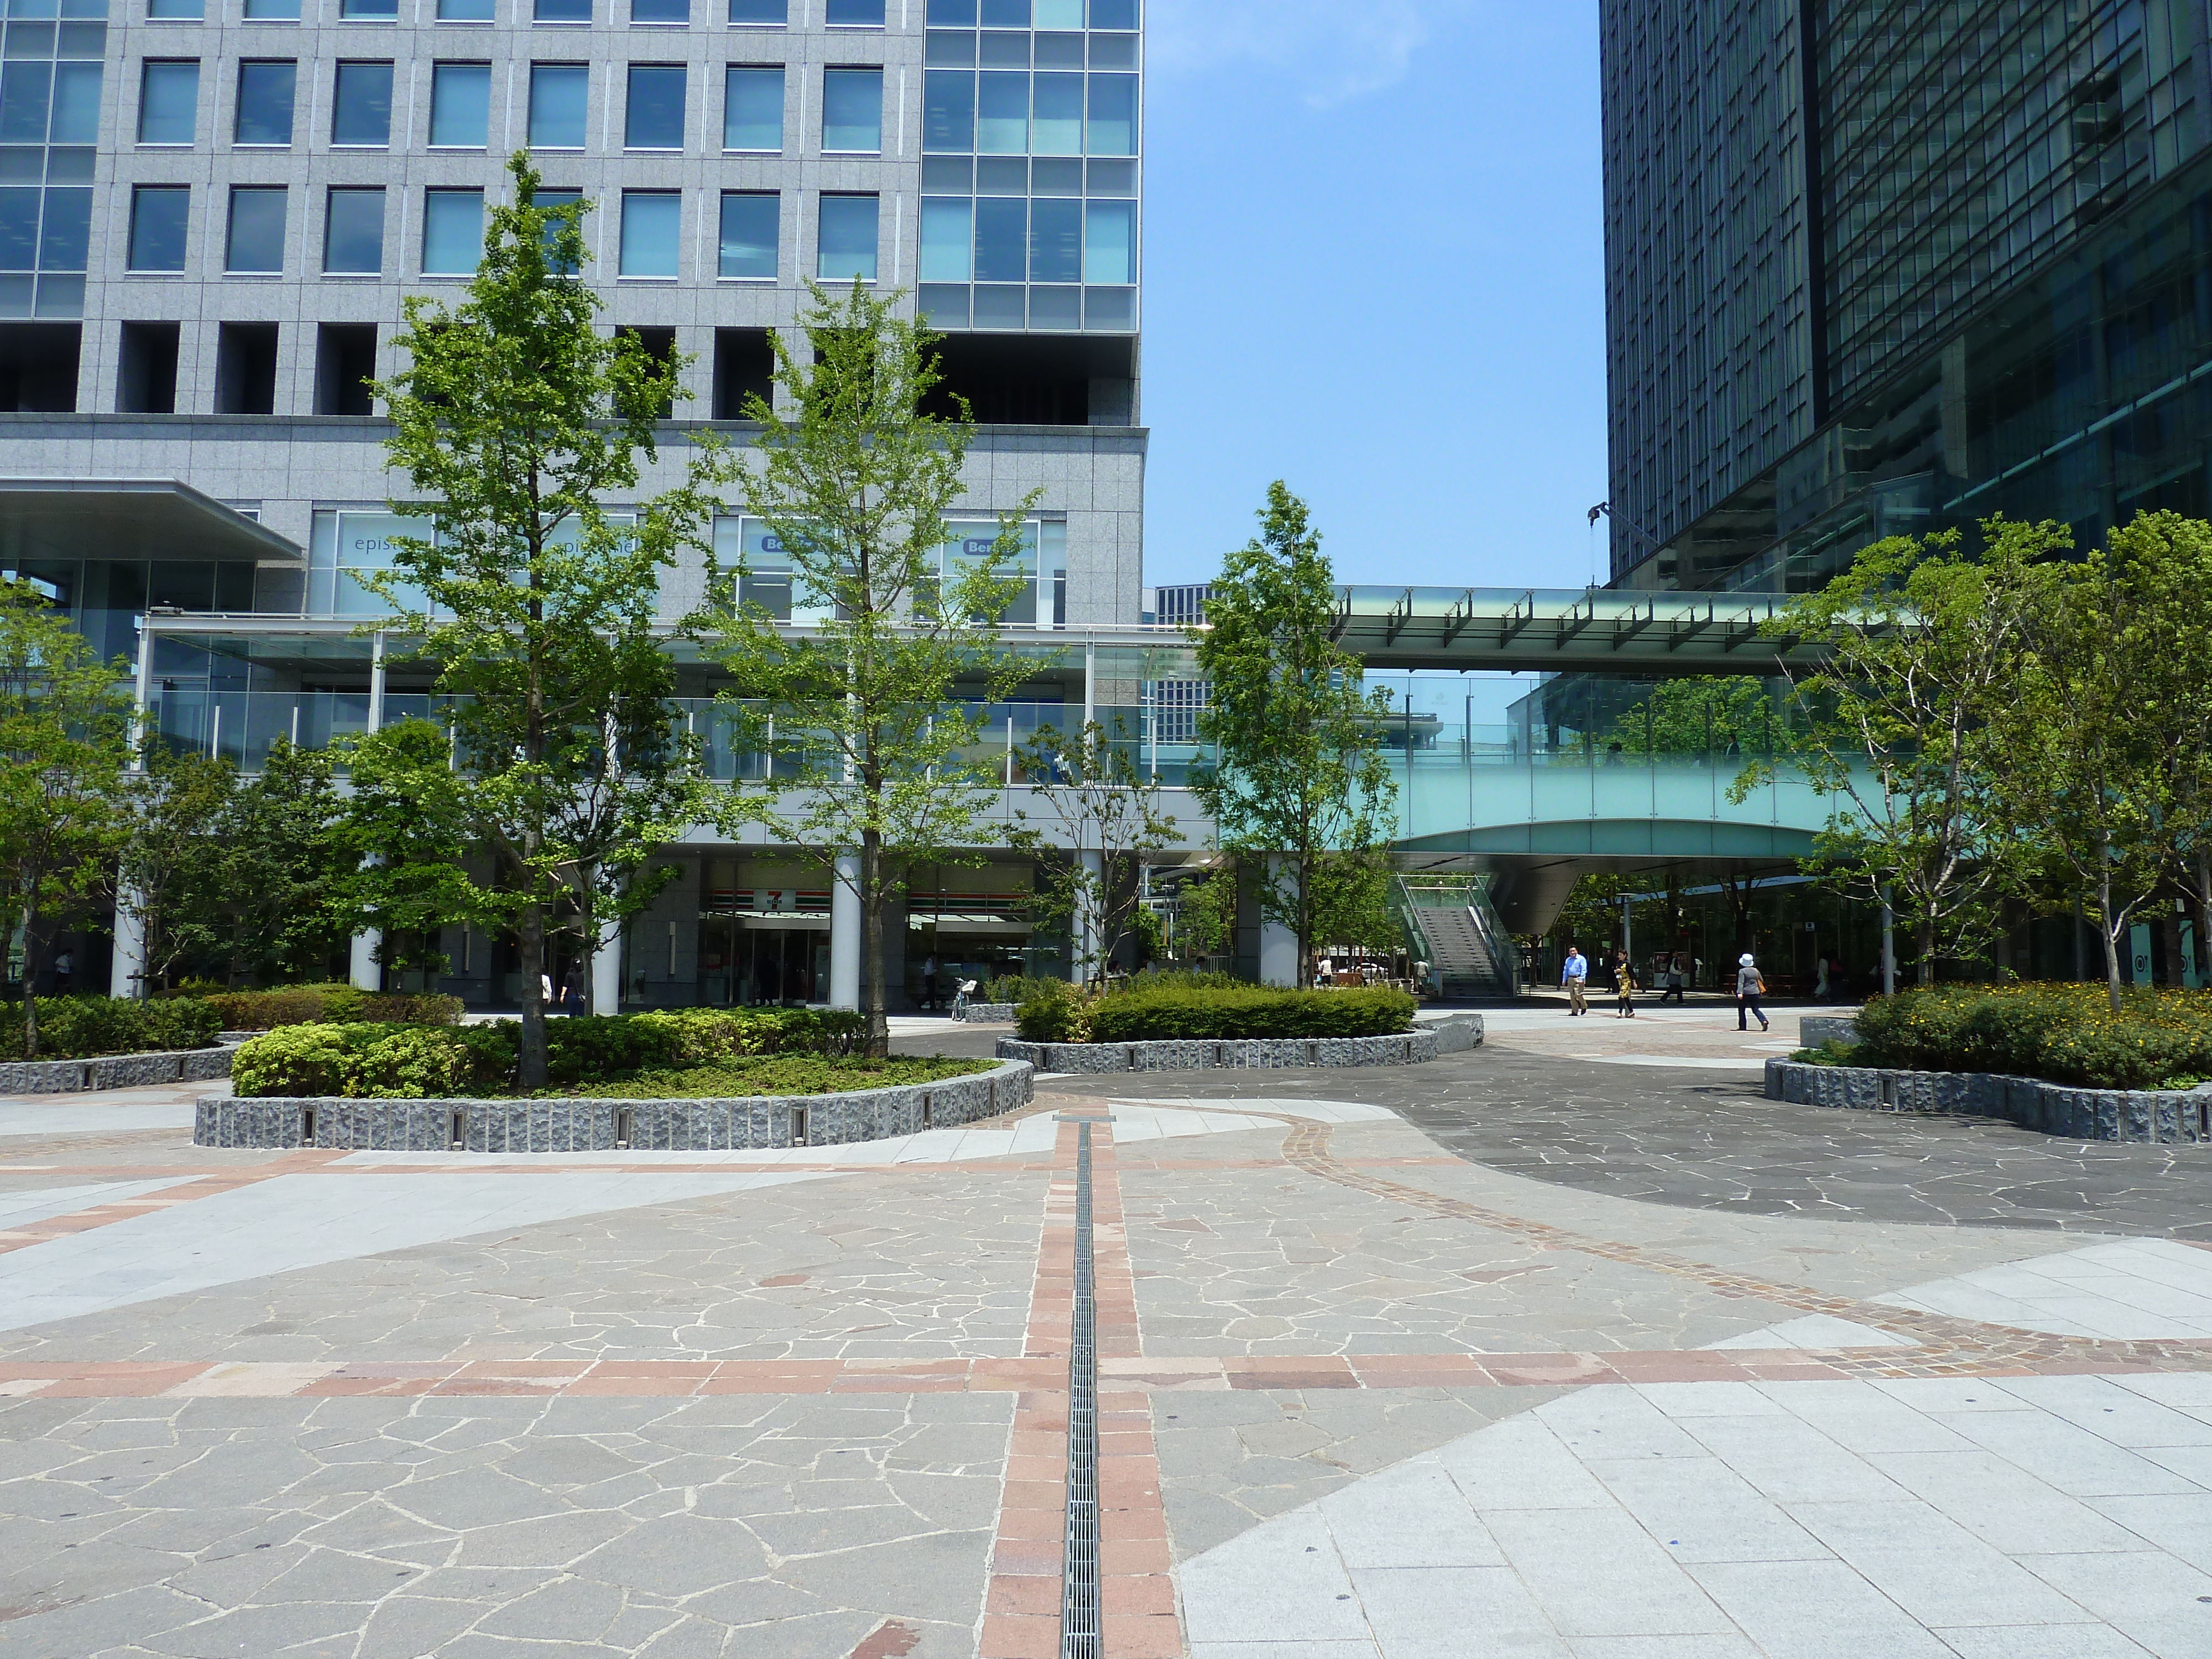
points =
(1573, 1347)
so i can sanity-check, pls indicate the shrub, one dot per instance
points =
(389, 1060)
(2061, 1033)
(1018, 989)
(1188, 980)
(1170, 1015)
(74, 1028)
(1053, 1012)
(301, 1005)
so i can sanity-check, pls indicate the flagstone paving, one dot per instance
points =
(1571, 1346)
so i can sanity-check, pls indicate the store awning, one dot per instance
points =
(128, 519)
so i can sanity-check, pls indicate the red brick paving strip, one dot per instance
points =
(892, 1639)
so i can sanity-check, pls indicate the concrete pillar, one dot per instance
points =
(367, 974)
(607, 970)
(127, 967)
(1888, 946)
(1278, 945)
(1090, 949)
(845, 933)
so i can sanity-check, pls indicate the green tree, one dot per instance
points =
(1206, 923)
(65, 741)
(532, 606)
(2075, 765)
(170, 874)
(1353, 902)
(878, 706)
(1924, 648)
(1727, 715)
(1102, 822)
(288, 867)
(1298, 777)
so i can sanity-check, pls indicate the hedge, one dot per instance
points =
(2060, 1033)
(1175, 1013)
(342, 1004)
(384, 1061)
(77, 1028)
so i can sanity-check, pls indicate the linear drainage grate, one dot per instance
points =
(1079, 1602)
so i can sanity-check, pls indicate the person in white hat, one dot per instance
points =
(1750, 985)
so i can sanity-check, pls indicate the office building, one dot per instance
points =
(1876, 267)
(213, 210)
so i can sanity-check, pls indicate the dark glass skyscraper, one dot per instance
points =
(1885, 265)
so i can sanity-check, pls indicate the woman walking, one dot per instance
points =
(1624, 974)
(1750, 985)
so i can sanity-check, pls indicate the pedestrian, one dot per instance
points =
(1575, 975)
(64, 974)
(1820, 979)
(1749, 987)
(1678, 978)
(572, 998)
(929, 982)
(1623, 986)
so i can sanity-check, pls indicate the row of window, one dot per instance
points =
(1010, 113)
(558, 105)
(1109, 15)
(43, 102)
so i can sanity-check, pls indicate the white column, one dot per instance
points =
(365, 975)
(1090, 949)
(126, 971)
(1278, 945)
(606, 970)
(845, 933)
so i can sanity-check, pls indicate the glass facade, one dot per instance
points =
(1031, 134)
(2004, 231)
(50, 98)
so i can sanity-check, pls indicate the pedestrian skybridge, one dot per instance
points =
(1563, 631)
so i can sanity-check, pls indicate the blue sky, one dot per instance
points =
(1374, 270)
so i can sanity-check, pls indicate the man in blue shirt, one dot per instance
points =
(1575, 975)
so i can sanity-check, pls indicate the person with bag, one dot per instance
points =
(1750, 986)
(1623, 986)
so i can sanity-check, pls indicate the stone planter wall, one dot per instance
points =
(601, 1125)
(69, 1076)
(1814, 1030)
(1265, 1053)
(989, 1013)
(2160, 1116)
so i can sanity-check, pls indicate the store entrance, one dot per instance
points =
(742, 965)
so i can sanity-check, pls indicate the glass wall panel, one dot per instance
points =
(752, 108)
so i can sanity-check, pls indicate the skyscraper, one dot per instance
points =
(211, 212)
(1876, 267)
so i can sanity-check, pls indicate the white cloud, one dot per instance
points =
(1336, 50)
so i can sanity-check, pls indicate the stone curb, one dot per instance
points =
(2159, 1116)
(751, 1124)
(1262, 1054)
(988, 1013)
(67, 1077)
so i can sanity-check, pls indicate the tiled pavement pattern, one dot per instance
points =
(703, 1413)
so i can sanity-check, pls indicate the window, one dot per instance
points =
(460, 105)
(948, 112)
(751, 223)
(1109, 243)
(948, 237)
(76, 104)
(1113, 115)
(453, 232)
(1057, 106)
(1002, 114)
(660, 11)
(159, 214)
(653, 117)
(1113, 14)
(853, 109)
(368, 11)
(18, 228)
(63, 229)
(1058, 13)
(952, 13)
(169, 101)
(1055, 241)
(255, 246)
(652, 227)
(1006, 14)
(554, 198)
(270, 11)
(562, 11)
(848, 241)
(360, 105)
(1002, 235)
(559, 98)
(265, 103)
(759, 11)
(752, 108)
(173, 11)
(859, 14)
(353, 233)
(465, 11)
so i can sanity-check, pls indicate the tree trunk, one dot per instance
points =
(2112, 939)
(30, 984)
(530, 939)
(2203, 870)
(872, 933)
(1924, 937)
